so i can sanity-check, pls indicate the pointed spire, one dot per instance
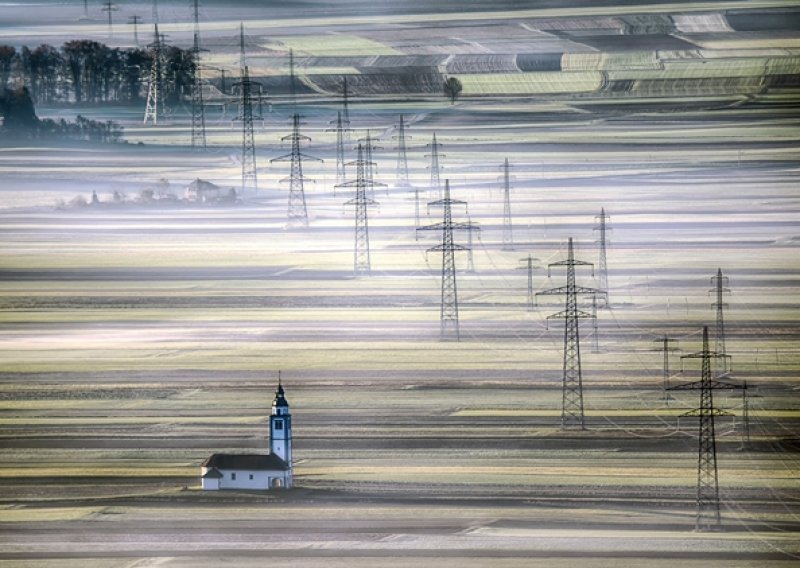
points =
(280, 395)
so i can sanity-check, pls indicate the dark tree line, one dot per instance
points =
(85, 71)
(19, 122)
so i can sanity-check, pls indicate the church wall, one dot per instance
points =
(260, 479)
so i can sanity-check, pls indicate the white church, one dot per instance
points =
(256, 471)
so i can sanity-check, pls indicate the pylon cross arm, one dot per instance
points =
(566, 314)
(572, 262)
(450, 246)
(697, 412)
(561, 290)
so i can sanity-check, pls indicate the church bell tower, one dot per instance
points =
(280, 428)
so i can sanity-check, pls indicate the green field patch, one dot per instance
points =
(536, 83)
(332, 45)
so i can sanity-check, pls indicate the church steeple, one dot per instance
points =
(280, 428)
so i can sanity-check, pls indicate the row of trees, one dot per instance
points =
(19, 122)
(85, 71)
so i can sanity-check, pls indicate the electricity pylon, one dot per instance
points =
(361, 259)
(369, 146)
(719, 282)
(198, 110)
(242, 50)
(345, 111)
(110, 8)
(572, 380)
(135, 20)
(665, 347)
(401, 173)
(602, 266)
(595, 326)
(528, 264)
(508, 235)
(253, 84)
(297, 214)
(155, 11)
(292, 86)
(436, 184)
(341, 175)
(249, 175)
(448, 314)
(155, 108)
(708, 514)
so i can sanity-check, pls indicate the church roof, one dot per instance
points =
(258, 462)
(280, 397)
(213, 473)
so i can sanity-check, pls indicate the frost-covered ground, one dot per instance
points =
(137, 339)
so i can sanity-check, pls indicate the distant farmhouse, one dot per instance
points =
(202, 191)
(256, 471)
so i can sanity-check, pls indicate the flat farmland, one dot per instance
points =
(138, 338)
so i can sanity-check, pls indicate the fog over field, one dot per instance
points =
(150, 296)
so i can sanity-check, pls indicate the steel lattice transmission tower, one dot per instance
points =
(345, 111)
(401, 172)
(602, 266)
(155, 108)
(508, 235)
(297, 214)
(708, 514)
(436, 184)
(665, 347)
(341, 174)
(342, 137)
(448, 315)
(198, 109)
(253, 84)
(720, 289)
(572, 380)
(361, 258)
(249, 175)
(369, 145)
(528, 265)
